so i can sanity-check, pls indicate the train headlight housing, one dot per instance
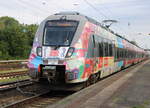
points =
(39, 51)
(70, 52)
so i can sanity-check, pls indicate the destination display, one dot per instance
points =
(62, 23)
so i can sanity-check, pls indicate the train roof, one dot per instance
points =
(94, 22)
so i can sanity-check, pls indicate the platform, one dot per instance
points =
(126, 89)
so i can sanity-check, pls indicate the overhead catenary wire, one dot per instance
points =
(34, 8)
(38, 10)
(101, 13)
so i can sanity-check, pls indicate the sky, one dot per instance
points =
(133, 16)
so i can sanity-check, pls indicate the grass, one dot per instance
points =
(139, 106)
(144, 105)
(14, 79)
(14, 70)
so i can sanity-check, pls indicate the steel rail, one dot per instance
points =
(40, 100)
(14, 84)
(10, 74)
(24, 101)
(4, 67)
(13, 61)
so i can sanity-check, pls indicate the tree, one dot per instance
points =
(15, 38)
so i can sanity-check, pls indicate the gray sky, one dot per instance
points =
(132, 15)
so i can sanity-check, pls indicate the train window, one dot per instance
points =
(93, 37)
(96, 46)
(90, 52)
(97, 50)
(118, 53)
(126, 53)
(110, 49)
(106, 48)
(59, 32)
(130, 54)
(101, 47)
(133, 54)
(115, 53)
(121, 53)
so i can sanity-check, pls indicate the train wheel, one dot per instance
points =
(87, 83)
(93, 79)
(90, 81)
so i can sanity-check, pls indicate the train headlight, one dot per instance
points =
(70, 52)
(39, 51)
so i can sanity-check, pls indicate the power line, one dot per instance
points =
(33, 7)
(101, 14)
(96, 10)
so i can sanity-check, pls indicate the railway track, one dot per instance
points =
(38, 101)
(12, 64)
(12, 61)
(19, 91)
(28, 97)
(11, 78)
(12, 71)
(50, 98)
(13, 74)
(41, 100)
(14, 84)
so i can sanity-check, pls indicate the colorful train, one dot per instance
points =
(71, 49)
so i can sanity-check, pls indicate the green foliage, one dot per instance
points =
(19, 78)
(140, 106)
(145, 104)
(15, 38)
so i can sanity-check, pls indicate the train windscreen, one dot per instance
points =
(59, 33)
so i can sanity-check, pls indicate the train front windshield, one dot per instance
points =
(59, 33)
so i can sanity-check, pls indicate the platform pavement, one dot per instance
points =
(130, 91)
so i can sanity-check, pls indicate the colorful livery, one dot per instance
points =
(71, 49)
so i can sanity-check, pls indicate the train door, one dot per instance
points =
(111, 56)
(104, 71)
(90, 54)
(96, 53)
(113, 49)
(99, 54)
(108, 61)
(114, 55)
